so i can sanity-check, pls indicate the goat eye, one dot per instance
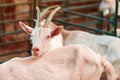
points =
(48, 36)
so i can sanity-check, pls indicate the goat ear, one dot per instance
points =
(56, 31)
(26, 28)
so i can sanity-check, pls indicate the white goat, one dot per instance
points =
(107, 6)
(44, 36)
(75, 62)
(103, 44)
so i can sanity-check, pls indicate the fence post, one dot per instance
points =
(115, 19)
(66, 3)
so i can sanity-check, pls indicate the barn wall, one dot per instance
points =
(13, 41)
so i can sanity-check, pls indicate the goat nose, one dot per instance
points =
(35, 49)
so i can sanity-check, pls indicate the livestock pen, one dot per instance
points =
(76, 14)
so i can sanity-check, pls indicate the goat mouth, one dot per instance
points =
(36, 53)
